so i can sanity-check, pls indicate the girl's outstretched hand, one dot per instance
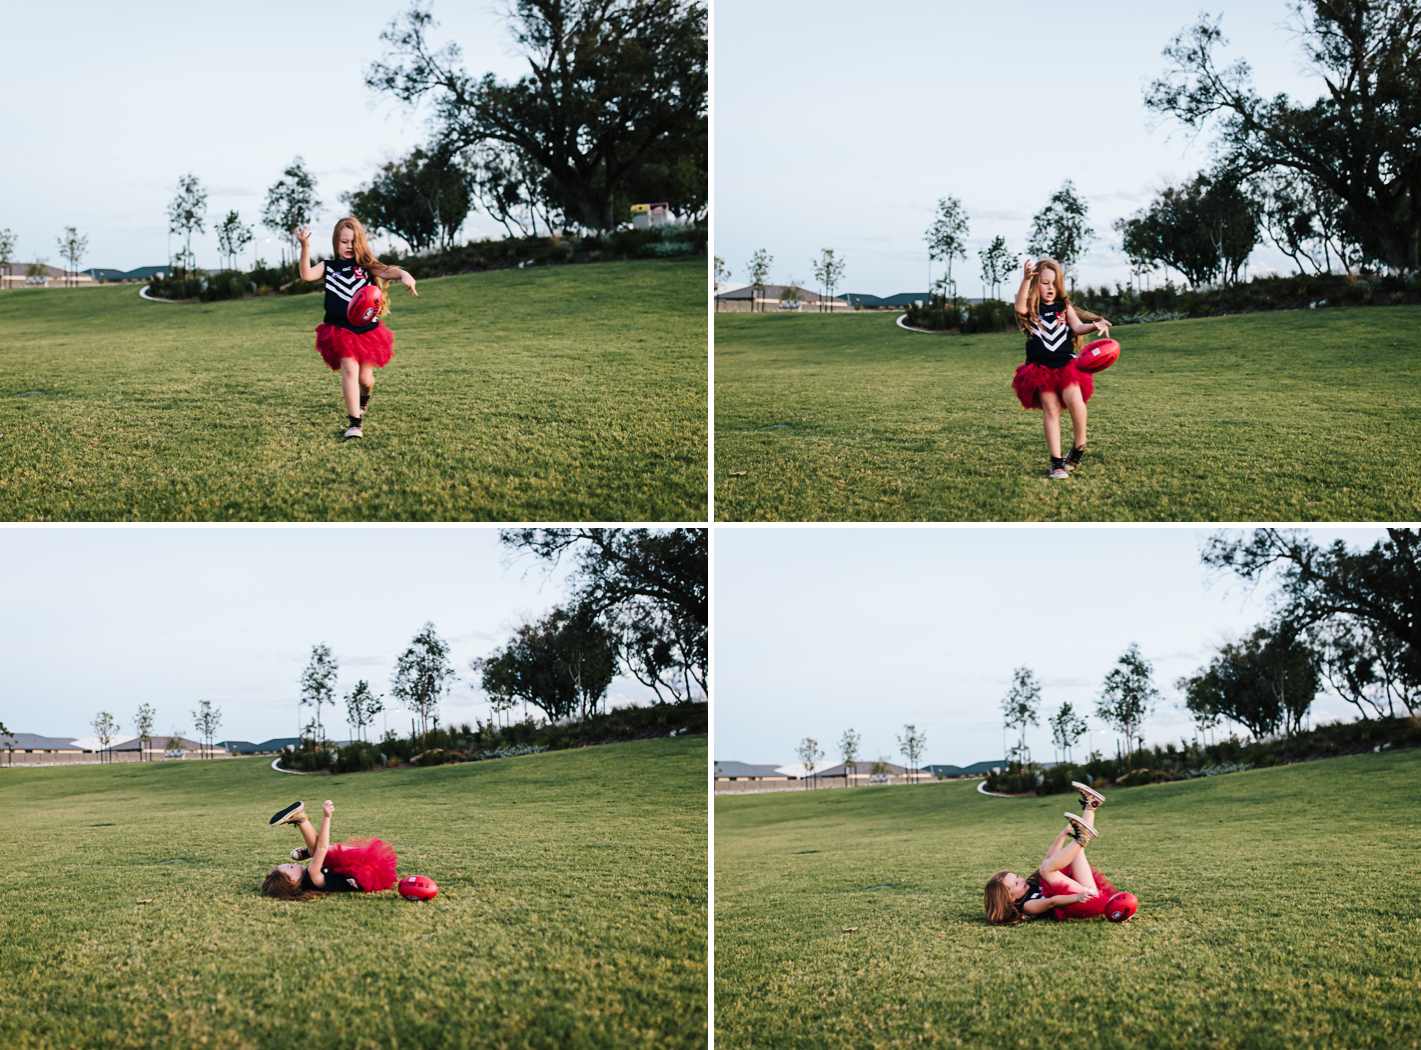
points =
(1084, 895)
(408, 282)
(1102, 325)
(303, 234)
(1029, 270)
(328, 807)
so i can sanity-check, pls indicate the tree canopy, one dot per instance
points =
(1128, 695)
(1265, 682)
(562, 665)
(1059, 230)
(1362, 609)
(651, 590)
(1204, 228)
(422, 198)
(615, 97)
(1358, 141)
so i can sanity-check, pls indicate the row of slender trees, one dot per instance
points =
(1348, 620)
(912, 745)
(72, 248)
(828, 271)
(639, 606)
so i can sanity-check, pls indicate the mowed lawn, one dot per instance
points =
(550, 393)
(1278, 909)
(1292, 416)
(572, 907)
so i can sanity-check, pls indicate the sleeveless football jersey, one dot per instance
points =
(1049, 343)
(345, 277)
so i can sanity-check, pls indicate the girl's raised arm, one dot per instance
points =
(1028, 272)
(308, 272)
(394, 273)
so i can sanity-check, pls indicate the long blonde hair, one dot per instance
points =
(363, 257)
(1002, 909)
(1029, 320)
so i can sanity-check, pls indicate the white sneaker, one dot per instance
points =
(1059, 474)
(354, 432)
(300, 853)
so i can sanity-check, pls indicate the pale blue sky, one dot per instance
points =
(839, 125)
(108, 105)
(818, 630)
(110, 618)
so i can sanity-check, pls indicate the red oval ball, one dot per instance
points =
(1098, 355)
(364, 306)
(418, 888)
(1121, 906)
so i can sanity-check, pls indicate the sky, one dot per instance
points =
(110, 618)
(819, 630)
(839, 126)
(119, 103)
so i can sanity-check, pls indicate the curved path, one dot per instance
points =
(910, 328)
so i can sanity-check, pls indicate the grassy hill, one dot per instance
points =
(1293, 416)
(550, 393)
(572, 907)
(1277, 909)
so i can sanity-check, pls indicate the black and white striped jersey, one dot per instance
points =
(1049, 343)
(345, 277)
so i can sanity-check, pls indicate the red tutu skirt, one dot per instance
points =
(369, 862)
(1082, 909)
(1031, 379)
(373, 347)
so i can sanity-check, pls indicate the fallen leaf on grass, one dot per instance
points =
(148, 901)
(850, 929)
(738, 473)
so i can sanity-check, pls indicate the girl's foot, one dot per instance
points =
(300, 853)
(292, 814)
(354, 430)
(1074, 457)
(1090, 798)
(1058, 469)
(1080, 830)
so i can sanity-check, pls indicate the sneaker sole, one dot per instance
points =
(1087, 790)
(1090, 831)
(284, 816)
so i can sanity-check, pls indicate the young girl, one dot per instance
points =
(1049, 378)
(357, 865)
(1083, 893)
(354, 352)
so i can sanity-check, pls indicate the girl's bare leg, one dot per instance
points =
(1075, 405)
(350, 385)
(1051, 420)
(367, 380)
(308, 832)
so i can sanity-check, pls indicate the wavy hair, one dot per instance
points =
(1002, 909)
(1029, 320)
(283, 889)
(363, 256)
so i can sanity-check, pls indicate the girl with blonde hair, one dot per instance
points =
(353, 351)
(1065, 885)
(1049, 378)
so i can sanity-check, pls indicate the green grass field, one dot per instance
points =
(551, 393)
(572, 908)
(1278, 909)
(1297, 416)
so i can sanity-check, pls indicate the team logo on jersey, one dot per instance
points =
(360, 273)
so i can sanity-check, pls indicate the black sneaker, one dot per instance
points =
(291, 814)
(1074, 457)
(1058, 469)
(300, 853)
(354, 432)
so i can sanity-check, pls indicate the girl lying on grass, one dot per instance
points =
(356, 865)
(1084, 893)
(1049, 378)
(354, 352)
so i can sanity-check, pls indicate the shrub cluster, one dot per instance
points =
(942, 315)
(1189, 760)
(485, 740)
(200, 285)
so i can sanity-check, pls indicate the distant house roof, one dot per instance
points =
(279, 743)
(35, 742)
(776, 291)
(863, 767)
(102, 273)
(901, 299)
(242, 747)
(744, 771)
(799, 769)
(966, 771)
(92, 743)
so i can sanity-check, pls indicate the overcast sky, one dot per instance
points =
(110, 618)
(109, 105)
(826, 629)
(840, 125)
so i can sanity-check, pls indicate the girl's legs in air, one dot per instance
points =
(307, 829)
(1051, 420)
(1075, 405)
(1066, 862)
